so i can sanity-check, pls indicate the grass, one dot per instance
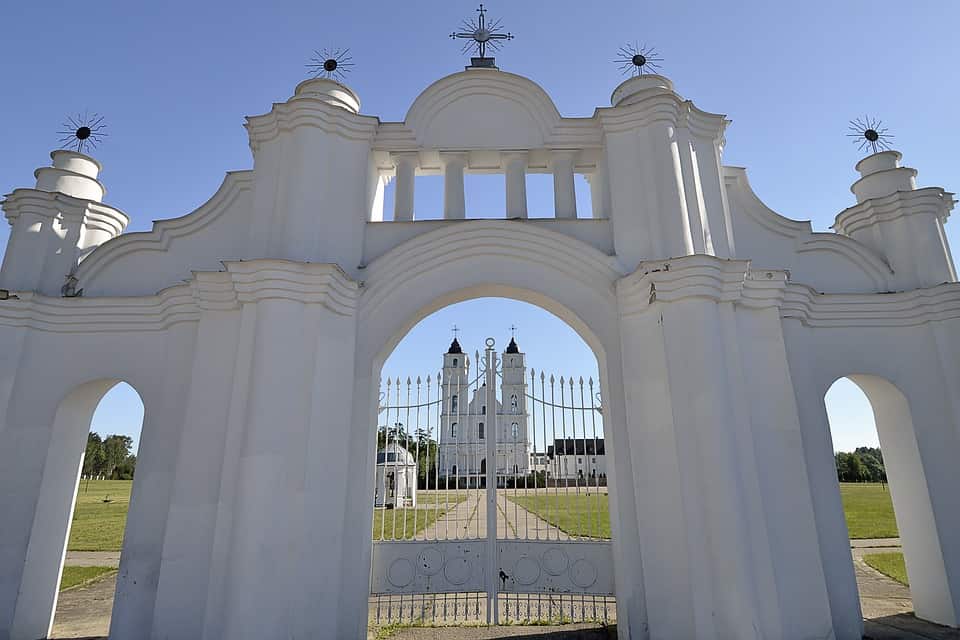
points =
(575, 515)
(889, 564)
(99, 525)
(868, 509)
(405, 524)
(76, 576)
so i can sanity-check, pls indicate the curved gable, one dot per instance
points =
(503, 110)
(828, 262)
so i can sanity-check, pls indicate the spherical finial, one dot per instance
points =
(638, 59)
(82, 132)
(333, 64)
(870, 133)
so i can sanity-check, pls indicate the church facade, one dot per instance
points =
(463, 420)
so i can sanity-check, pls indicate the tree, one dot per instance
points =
(110, 457)
(94, 459)
(849, 467)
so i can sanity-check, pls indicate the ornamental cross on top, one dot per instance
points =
(479, 34)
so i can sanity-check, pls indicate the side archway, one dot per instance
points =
(911, 497)
(50, 531)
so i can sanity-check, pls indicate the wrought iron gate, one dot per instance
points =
(470, 524)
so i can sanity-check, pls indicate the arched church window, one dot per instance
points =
(514, 404)
(481, 431)
(455, 361)
(483, 409)
(515, 430)
(453, 430)
(454, 404)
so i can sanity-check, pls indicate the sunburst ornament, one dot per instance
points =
(638, 59)
(479, 35)
(870, 133)
(330, 63)
(82, 132)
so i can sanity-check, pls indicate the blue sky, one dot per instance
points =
(175, 79)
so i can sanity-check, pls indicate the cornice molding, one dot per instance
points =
(698, 276)
(929, 200)
(241, 282)
(309, 111)
(863, 310)
(309, 283)
(51, 204)
(668, 107)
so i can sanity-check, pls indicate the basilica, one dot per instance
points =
(463, 419)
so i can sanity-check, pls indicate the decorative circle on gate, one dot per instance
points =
(430, 561)
(457, 570)
(583, 574)
(400, 573)
(555, 561)
(526, 571)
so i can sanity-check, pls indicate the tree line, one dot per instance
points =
(111, 457)
(864, 464)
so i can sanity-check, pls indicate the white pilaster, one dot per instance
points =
(516, 183)
(564, 191)
(454, 206)
(406, 164)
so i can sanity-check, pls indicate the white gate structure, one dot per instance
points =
(493, 542)
(255, 327)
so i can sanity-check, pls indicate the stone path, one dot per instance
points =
(93, 559)
(84, 612)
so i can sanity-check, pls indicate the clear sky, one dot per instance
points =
(175, 79)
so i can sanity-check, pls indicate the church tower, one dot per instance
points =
(512, 441)
(454, 410)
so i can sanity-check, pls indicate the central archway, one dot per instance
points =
(563, 276)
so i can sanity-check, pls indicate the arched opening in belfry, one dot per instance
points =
(81, 515)
(493, 407)
(893, 536)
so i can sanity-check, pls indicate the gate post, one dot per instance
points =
(490, 578)
(725, 514)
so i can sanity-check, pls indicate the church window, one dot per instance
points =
(453, 430)
(455, 361)
(515, 430)
(483, 410)
(481, 431)
(514, 404)
(453, 404)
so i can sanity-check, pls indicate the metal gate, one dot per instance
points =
(472, 523)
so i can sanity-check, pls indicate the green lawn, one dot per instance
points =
(99, 525)
(869, 510)
(889, 564)
(576, 515)
(76, 576)
(388, 524)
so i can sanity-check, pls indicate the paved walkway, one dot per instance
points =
(93, 559)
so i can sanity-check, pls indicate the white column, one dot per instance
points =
(564, 193)
(406, 164)
(454, 207)
(515, 165)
